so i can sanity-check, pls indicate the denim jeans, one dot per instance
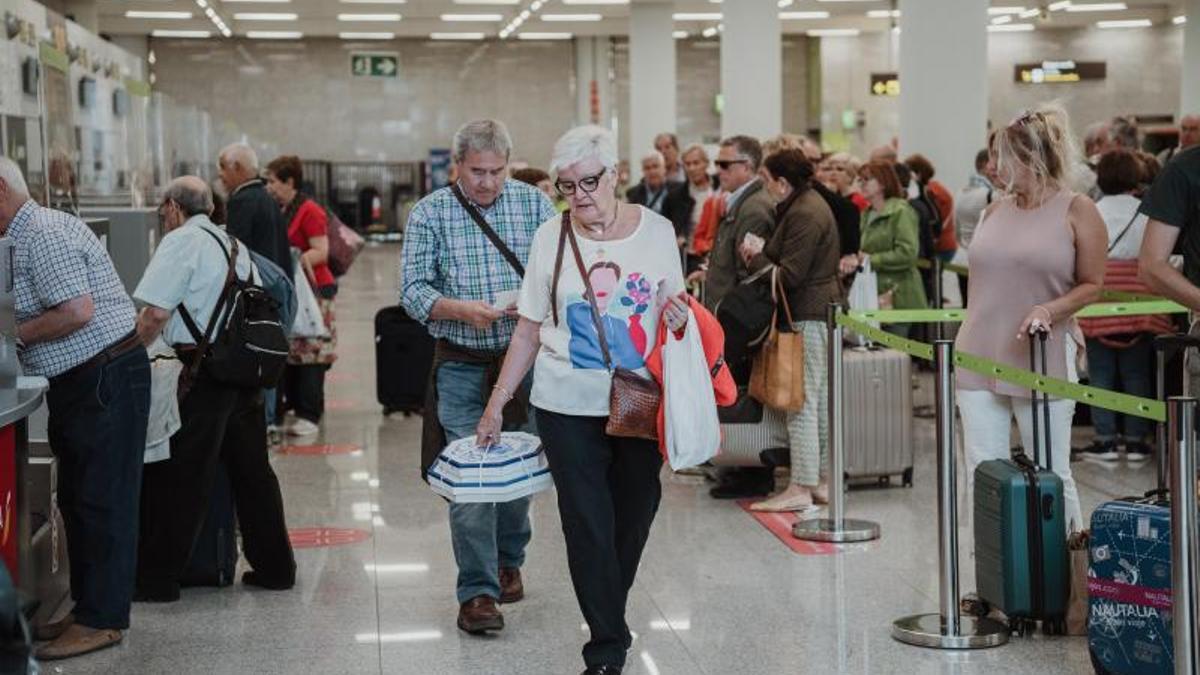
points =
(97, 432)
(1128, 371)
(486, 537)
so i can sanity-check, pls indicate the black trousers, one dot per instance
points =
(97, 431)
(221, 424)
(608, 494)
(304, 391)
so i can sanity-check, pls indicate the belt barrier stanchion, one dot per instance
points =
(1164, 458)
(836, 528)
(948, 629)
(1181, 414)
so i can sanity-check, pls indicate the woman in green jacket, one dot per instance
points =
(890, 240)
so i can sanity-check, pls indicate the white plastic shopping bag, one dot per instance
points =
(309, 322)
(864, 297)
(163, 420)
(693, 432)
(513, 468)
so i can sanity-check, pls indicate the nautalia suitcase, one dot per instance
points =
(1129, 588)
(1021, 562)
(747, 428)
(403, 356)
(878, 414)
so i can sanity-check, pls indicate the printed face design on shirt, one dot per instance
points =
(604, 277)
(627, 337)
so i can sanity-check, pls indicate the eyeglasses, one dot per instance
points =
(588, 184)
(724, 164)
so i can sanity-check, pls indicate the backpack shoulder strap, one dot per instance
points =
(204, 340)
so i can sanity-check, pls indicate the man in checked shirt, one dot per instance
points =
(463, 285)
(75, 326)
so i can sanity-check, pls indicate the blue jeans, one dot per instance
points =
(1128, 371)
(486, 537)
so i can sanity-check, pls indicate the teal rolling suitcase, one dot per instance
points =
(1021, 560)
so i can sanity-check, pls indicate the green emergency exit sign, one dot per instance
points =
(374, 64)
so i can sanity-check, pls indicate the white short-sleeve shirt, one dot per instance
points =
(189, 268)
(570, 376)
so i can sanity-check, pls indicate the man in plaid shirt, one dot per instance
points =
(463, 287)
(75, 326)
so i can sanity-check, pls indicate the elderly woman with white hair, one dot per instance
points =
(609, 264)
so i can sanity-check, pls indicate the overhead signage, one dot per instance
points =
(885, 84)
(375, 64)
(1060, 72)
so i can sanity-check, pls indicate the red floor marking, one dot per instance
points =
(339, 404)
(344, 449)
(780, 525)
(325, 537)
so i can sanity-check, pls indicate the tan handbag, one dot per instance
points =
(634, 400)
(777, 378)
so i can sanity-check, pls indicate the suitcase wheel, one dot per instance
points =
(908, 477)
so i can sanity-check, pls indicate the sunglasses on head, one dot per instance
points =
(726, 163)
(588, 184)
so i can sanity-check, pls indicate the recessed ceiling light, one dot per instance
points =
(1011, 28)
(257, 2)
(796, 16)
(883, 13)
(1179, 20)
(696, 16)
(680, 34)
(572, 17)
(135, 14)
(265, 16)
(374, 2)
(368, 17)
(1030, 13)
(833, 32)
(274, 35)
(711, 31)
(784, 3)
(544, 36)
(472, 17)
(1126, 23)
(487, 2)
(1005, 10)
(1098, 7)
(160, 33)
(367, 36)
(456, 36)
(1058, 6)
(595, 2)
(1001, 20)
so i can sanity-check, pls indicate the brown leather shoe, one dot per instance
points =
(512, 589)
(51, 631)
(78, 640)
(479, 615)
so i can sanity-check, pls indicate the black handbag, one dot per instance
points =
(750, 306)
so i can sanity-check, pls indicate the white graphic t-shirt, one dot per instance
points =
(570, 376)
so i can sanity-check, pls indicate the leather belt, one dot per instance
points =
(111, 353)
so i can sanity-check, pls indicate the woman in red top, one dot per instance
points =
(304, 383)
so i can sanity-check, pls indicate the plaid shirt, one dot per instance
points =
(446, 255)
(58, 258)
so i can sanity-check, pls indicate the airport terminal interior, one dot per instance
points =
(838, 213)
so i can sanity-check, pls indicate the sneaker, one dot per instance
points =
(1104, 451)
(274, 436)
(302, 427)
(1137, 451)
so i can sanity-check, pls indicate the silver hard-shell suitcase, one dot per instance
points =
(878, 414)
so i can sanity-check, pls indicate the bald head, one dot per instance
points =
(192, 195)
(1189, 131)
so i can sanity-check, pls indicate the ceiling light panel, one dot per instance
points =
(544, 36)
(456, 36)
(572, 17)
(162, 33)
(265, 16)
(1098, 7)
(473, 17)
(1128, 23)
(369, 17)
(800, 16)
(274, 35)
(883, 14)
(135, 14)
(833, 32)
(1011, 28)
(366, 36)
(696, 16)
(995, 11)
(373, 2)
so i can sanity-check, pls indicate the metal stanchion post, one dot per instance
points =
(948, 629)
(1181, 421)
(836, 528)
(1164, 459)
(937, 296)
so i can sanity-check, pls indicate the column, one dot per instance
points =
(593, 82)
(1189, 103)
(944, 84)
(651, 76)
(751, 69)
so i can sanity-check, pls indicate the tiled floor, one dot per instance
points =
(717, 594)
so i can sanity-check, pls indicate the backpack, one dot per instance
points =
(245, 344)
(929, 222)
(277, 284)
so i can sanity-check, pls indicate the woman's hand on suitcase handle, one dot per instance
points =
(1039, 320)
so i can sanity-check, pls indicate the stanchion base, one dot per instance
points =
(824, 529)
(928, 630)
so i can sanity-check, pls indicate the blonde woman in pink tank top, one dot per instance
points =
(1037, 259)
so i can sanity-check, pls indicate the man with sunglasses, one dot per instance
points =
(75, 326)
(465, 248)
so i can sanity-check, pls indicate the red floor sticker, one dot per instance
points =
(780, 525)
(343, 449)
(326, 537)
(339, 404)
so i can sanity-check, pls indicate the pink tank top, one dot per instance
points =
(1019, 258)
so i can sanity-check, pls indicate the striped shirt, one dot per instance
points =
(57, 258)
(446, 255)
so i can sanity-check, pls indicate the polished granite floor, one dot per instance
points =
(717, 594)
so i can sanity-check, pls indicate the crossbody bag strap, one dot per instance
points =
(204, 341)
(591, 298)
(489, 232)
(1123, 232)
(558, 261)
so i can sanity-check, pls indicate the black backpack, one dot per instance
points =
(929, 222)
(245, 344)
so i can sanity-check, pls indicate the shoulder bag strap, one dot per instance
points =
(489, 232)
(1123, 232)
(558, 261)
(591, 298)
(787, 306)
(204, 341)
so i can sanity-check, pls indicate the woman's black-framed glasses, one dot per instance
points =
(588, 184)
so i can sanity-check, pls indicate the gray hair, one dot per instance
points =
(654, 156)
(695, 147)
(240, 154)
(482, 136)
(1124, 132)
(192, 194)
(584, 143)
(10, 173)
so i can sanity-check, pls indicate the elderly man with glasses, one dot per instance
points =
(465, 249)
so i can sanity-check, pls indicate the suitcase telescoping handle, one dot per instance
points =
(1036, 346)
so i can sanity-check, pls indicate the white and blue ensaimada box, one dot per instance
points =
(513, 468)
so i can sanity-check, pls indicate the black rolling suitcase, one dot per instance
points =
(403, 356)
(215, 554)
